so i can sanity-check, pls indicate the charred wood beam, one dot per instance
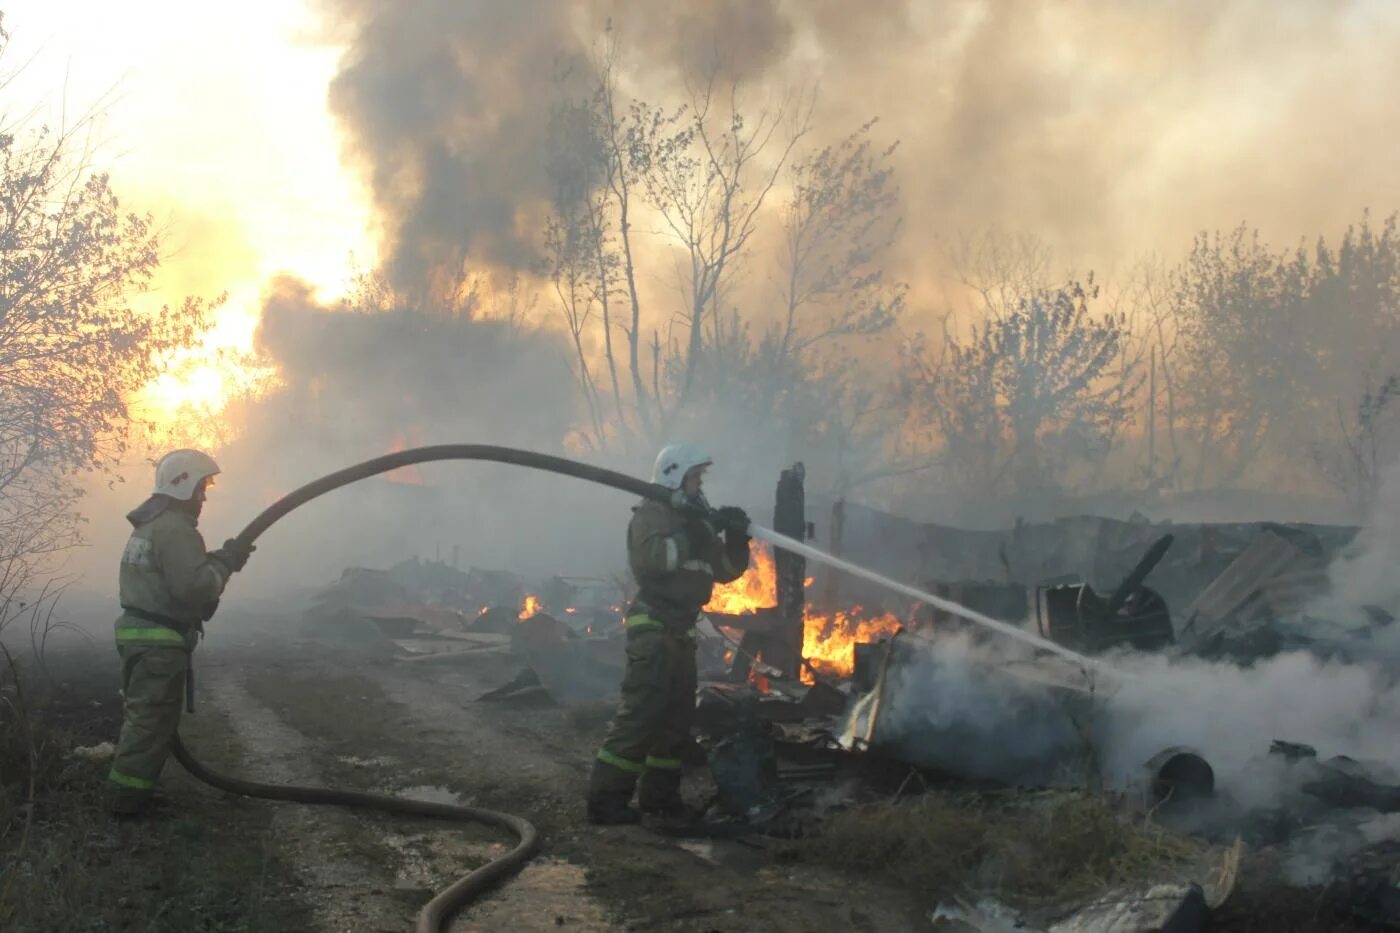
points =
(760, 620)
(790, 518)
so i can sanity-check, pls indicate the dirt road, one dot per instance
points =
(279, 708)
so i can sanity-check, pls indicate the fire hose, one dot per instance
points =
(472, 885)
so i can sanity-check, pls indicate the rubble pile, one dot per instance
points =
(803, 712)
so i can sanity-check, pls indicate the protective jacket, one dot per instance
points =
(677, 559)
(166, 577)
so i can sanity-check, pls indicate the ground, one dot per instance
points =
(275, 707)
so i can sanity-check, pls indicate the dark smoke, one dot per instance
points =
(446, 106)
(1107, 129)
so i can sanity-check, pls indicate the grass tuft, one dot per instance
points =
(1028, 849)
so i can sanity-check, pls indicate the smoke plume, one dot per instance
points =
(1110, 130)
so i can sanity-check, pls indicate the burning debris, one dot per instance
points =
(829, 640)
(806, 710)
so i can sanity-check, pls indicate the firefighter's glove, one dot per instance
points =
(234, 554)
(734, 521)
(206, 612)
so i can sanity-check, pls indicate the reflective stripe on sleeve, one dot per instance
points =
(673, 554)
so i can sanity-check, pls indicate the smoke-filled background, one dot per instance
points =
(798, 231)
(1110, 131)
(977, 707)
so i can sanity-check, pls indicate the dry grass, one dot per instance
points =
(65, 865)
(1027, 849)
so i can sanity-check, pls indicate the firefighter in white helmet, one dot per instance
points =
(168, 587)
(677, 552)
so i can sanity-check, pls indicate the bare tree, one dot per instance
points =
(73, 349)
(1029, 386)
(1001, 267)
(1368, 442)
(708, 172)
(575, 255)
(1270, 340)
(622, 141)
(840, 218)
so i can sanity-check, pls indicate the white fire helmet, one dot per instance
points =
(675, 461)
(179, 472)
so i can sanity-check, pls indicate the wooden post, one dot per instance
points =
(790, 518)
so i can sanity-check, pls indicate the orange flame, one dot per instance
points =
(530, 607)
(759, 682)
(828, 641)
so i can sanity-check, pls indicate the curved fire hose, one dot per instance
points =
(451, 899)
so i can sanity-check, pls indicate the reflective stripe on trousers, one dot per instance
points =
(149, 635)
(617, 761)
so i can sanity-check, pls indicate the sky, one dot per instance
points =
(287, 136)
(190, 97)
(282, 136)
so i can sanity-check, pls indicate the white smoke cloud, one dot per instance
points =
(1232, 714)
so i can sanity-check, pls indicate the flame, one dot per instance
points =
(530, 607)
(759, 682)
(757, 589)
(828, 641)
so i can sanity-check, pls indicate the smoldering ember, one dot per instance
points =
(705, 466)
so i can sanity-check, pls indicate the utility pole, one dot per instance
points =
(1152, 419)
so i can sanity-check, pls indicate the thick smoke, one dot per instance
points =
(357, 385)
(1232, 714)
(446, 105)
(1365, 575)
(947, 706)
(1109, 129)
(1343, 699)
(959, 705)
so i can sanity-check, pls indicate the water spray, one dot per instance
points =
(447, 902)
(947, 605)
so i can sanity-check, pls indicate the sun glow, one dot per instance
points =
(187, 404)
(217, 126)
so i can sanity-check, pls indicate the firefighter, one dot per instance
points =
(168, 587)
(677, 552)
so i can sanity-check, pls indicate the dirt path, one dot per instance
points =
(312, 713)
(277, 708)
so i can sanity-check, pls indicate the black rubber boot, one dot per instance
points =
(660, 794)
(611, 811)
(129, 804)
(610, 796)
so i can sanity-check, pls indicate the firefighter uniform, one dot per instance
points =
(167, 582)
(676, 558)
